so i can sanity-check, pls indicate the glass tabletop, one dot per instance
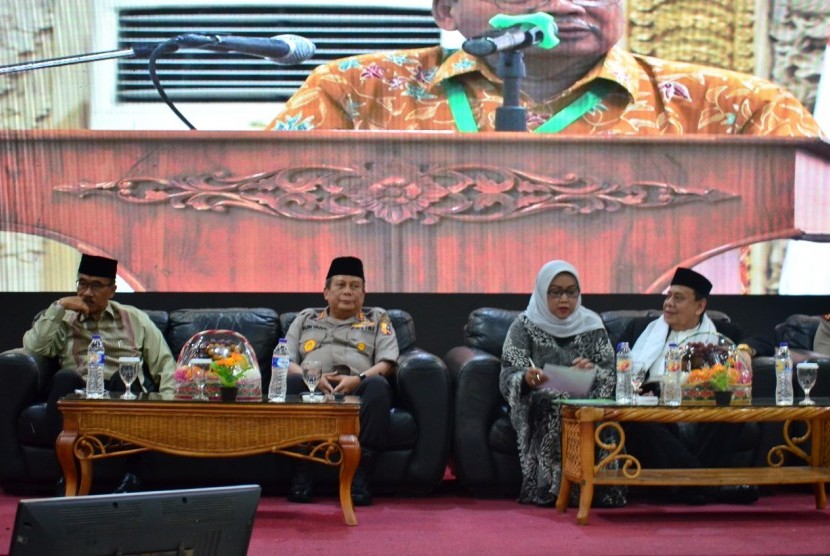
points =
(171, 397)
(756, 402)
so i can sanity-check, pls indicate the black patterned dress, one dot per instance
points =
(534, 414)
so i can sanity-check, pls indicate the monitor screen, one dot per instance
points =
(195, 521)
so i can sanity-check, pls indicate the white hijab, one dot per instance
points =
(580, 321)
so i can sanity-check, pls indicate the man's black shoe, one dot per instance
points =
(302, 485)
(737, 494)
(130, 483)
(361, 495)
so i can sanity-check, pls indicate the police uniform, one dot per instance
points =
(821, 343)
(356, 344)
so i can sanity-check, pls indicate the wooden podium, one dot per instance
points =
(428, 212)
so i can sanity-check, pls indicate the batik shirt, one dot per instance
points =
(406, 90)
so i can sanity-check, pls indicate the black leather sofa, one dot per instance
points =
(484, 457)
(798, 331)
(413, 463)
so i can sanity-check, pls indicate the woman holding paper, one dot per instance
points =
(555, 349)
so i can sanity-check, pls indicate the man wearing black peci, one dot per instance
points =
(357, 350)
(65, 328)
(674, 445)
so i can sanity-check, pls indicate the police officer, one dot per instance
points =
(357, 350)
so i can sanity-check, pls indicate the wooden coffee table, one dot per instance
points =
(583, 420)
(97, 429)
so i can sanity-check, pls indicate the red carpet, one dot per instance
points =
(784, 523)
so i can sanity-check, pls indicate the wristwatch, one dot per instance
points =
(362, 376)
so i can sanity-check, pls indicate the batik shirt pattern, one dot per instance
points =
(405, 90)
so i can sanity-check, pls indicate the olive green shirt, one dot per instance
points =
(125, 331)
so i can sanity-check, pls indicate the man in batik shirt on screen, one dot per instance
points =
(410, 89)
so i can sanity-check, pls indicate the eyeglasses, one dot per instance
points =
(94, 286)
(531, 5)
(570, 293)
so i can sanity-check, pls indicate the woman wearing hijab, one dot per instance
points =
(555, 329)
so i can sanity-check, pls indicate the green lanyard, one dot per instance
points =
(465, 121)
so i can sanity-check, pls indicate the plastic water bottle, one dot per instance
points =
(624, 363)
(279, 372)
(672, 388)
(783, 375)
(95, 368)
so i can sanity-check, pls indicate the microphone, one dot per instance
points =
(499, 40)
(280, 49)
(513, 32)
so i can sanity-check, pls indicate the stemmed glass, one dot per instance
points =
(312, 372)
(128, 370)
(807, 374)
(199, 368)
(638, 375)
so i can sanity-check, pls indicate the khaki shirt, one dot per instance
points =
(125, 330)
(358, 342)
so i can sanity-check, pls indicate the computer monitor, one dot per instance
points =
(196, 521)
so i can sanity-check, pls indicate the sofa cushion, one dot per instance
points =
(402, 432)
(160, 318)
(31, 427)
(487, 328)
(259, 325)
(798, 331)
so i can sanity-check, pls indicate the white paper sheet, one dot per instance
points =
(576, 382)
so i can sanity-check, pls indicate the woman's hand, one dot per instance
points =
(582, 363)
(534, 377)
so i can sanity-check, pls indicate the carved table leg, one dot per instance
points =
(564, 494)
(86, 477)
(586, 449)
(64, 450)
(818, 457)
(351, 458)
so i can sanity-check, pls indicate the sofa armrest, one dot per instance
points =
(423, 388)
(478, 402)
(25, 377)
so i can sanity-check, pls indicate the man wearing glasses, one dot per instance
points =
(583, 86)
(65, 329)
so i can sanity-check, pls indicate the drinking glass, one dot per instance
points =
(128, 370)
(200, 368)
(807, 374)
(312, 371)
(638, 375)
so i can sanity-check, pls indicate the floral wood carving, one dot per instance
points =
(396, 193)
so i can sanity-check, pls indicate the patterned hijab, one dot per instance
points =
(580, 321)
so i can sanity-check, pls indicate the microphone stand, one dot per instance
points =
(141, 51)
(76, 59)
(511, 116)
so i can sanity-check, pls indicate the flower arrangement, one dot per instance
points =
(232, 363)
(714, 366)
(231, 368)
